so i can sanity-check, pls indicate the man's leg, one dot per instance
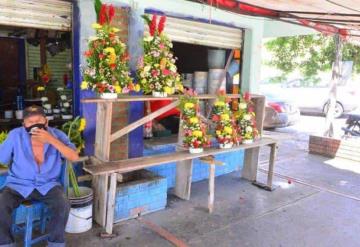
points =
(59, 206)
(9, 200)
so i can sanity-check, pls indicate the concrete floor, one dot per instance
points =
(317, 203)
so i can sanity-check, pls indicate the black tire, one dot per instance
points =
(339, 109)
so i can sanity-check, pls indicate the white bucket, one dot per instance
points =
(80, 219)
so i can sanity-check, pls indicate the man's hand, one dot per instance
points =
(42, 136)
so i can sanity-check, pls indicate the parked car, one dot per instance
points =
(314, 99)
(279, 113)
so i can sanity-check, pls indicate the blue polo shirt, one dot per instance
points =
(25, 174)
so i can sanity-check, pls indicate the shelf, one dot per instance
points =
(136, 98)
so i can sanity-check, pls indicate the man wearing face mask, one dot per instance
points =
(34, 153)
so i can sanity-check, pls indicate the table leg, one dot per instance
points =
(211, 188)
(271, 165)
(111, 204)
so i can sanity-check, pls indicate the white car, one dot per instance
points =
(314, 99)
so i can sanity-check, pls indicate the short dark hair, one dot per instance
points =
(34, 110)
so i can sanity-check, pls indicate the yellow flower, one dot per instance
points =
(39, 89)
(218, 132)
(117, 89)
(197, 133)
(84, 85)
(224, 117)
(96, 26)
(115, 30)
(189, 105)
(228, 130)
(163, 63)
(82, 124)
(112, 58)
(137, 88)
(180, 87)
(219, 103)
(167, 90)
(110, 50)
(194, 120)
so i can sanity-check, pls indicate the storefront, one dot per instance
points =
(35, 59)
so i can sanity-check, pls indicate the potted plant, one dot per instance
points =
(195, 131)
(156, 70)
(226, 130)
(107, 70)
(246, 119)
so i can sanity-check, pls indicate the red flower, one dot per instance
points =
(111, 35)
(247, 96)
(154, 73)
(102, 14)
(221, 92)
(161, 24)
(215, 118)
(101, 55)
(152, 26)
(166, 72)
(113, 66)
(251, 109)
(125, 57)
(111, 13)
(88, 53)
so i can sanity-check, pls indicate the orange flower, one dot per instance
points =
(89, 53)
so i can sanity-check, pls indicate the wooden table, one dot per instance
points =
(105, 171)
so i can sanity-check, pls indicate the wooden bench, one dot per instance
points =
(106, 172)
(112, 168)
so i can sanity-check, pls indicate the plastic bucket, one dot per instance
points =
(80, 217)
(216, 58)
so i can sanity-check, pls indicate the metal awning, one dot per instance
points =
(326, 16)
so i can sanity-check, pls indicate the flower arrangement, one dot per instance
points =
(227, 131)
(156, 70)
(195, 131)
(74, 130)
(107, 60)
(45, 74)
(246, 118)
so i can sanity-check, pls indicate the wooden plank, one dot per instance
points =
(135, 98)
(100, 185)
(211, 188)
(183, 170)
(252, 155)
(134, 164)
(103, 130)
(142, 121)
(271, 164)
(111, 204)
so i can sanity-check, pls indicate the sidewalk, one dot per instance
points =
(317, 203)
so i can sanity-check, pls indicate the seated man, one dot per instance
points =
(35, 151)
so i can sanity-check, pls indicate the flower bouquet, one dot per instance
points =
(195, 131)
(227, 131)
(246, 119)
(3, 136)
(107, 69)
(156, 70)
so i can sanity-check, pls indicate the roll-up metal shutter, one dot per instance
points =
(42, 14)
(200, 33)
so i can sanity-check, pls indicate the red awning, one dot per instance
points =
(326, 16)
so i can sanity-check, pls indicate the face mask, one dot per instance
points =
(34, 127)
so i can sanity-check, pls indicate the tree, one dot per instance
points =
(309, 54)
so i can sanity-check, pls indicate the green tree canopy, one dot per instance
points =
(308, 54)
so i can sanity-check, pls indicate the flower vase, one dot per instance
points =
(159, 94)
(109, 95)
(249, 141)
(196, 150)
(226, 145)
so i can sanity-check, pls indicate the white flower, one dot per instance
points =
(248, 129)
(63, 97)
(44, 99)
(147, 68)
(148, 38)
(66, 104)
(92, 38)
(60, 89)
(247, 117)
(242, 106)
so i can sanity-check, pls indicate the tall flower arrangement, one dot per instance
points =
(227, 131)
(195, 131)
(156, 70)
(107, 60)
(246, 119)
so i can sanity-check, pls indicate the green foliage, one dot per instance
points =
(97, 6)
(309, 54)
(3, 136)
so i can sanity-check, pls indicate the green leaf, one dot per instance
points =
(97, 6)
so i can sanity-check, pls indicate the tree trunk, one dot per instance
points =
(329, 122)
